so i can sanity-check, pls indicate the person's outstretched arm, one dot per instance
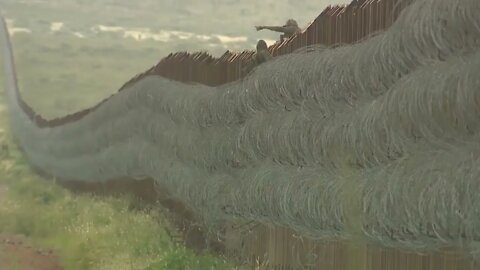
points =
(281, 29)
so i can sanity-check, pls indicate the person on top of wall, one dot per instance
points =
(289, 29)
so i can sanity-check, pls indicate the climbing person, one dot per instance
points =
(262, 55)
(289, 29)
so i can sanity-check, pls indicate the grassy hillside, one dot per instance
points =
(59, 75)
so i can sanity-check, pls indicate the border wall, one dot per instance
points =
(268, 246)
(274, 247)
(336, 25)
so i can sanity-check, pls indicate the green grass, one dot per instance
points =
(60, 75)
(182, 258)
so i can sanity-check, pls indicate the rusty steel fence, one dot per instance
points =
(336, 25)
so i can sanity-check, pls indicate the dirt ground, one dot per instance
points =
(17, 254)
